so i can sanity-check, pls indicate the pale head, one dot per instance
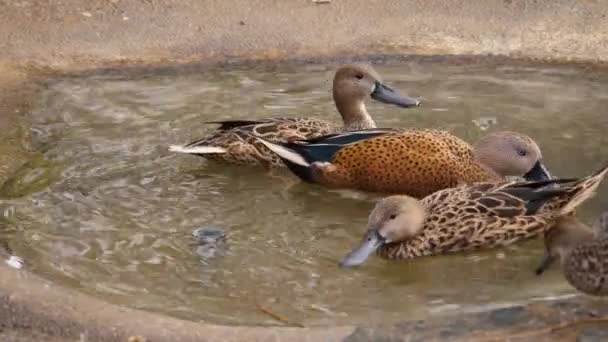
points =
(393, 219)
(566, 234)
(353, 85)
(511, 154)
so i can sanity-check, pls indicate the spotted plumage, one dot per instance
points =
(410, 161)
(581, 251)
(469, 217)
(234, 141)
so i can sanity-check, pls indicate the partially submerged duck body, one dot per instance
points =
(234, 141)
(582, 252)
(416, 162)
(469, 217)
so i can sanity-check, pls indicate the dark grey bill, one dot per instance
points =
(386, 94)
(370, 243)
(545, 263)
(538, 173)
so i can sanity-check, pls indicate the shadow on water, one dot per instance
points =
(109, 211)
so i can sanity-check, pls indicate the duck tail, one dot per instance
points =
(230, 124)
(197, 149)
(584, 189)
(295, 159)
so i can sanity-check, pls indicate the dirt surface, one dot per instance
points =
(71, 33)
(37, 37)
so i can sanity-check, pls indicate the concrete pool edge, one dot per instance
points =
(33, 307)
(76, 32)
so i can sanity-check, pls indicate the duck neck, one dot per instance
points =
(354, 114)
(485, 171)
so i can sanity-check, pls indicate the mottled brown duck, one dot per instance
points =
(410, 161)
(582, 253)
(353, 85)
(469, 217)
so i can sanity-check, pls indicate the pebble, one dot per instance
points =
(209, 240)
(208, 235)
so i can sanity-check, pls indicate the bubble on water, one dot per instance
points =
(9, 212)
(147, 180)
(485, 122)
(154, 260)
(567, 135)
(248, 82)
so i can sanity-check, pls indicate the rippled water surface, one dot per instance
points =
(107, 210)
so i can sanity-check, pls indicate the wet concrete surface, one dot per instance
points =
(15, 149)
(33, 307)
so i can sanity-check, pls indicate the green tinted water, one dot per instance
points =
(109, 211)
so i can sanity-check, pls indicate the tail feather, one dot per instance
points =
(285, 153)
(295, 161)
(197, 149)
(584, 189)
(229, 124)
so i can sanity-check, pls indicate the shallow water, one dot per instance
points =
(106, 209)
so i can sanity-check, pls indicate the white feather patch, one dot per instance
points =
(197, 149)
(286, 153)
(15, 262)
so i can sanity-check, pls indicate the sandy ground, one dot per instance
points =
(78, 32)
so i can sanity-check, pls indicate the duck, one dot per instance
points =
(469, 217)
(582, 252)
(414, 162)
(234, 141)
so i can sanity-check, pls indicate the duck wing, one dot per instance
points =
(348, 137)
(554, 196)
(230, 124)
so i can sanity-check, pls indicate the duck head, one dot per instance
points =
(353, 85)
(511, 154)
(566, 234)
(393, 219)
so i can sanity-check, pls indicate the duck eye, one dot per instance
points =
(359, 76)
(392, 217)
(522, 153)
